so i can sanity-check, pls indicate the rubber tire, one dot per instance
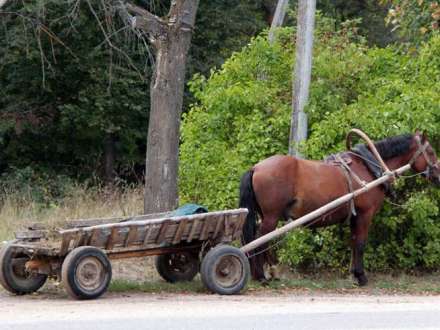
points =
(172, 276)
(68, 272)
(208, 271)
(16, 285)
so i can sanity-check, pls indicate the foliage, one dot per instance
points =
(242, 115)
(415, 19)
(66, 86)
(73, 76)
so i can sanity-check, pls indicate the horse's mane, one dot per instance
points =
(394, 146)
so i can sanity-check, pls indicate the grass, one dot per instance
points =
(121, 286)
(329, 283)
(80, 203)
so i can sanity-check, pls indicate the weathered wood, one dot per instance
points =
(180, 229)
(204, 230)
(278, 18)
(302, 74)
(131, 235)
(30, 234)
(150, 234)
(190, 218)
(94, 237)
(162, 232)
(219, 225)
(77, 240)
(121, 254)
(65, 243)
(192, 233)
(112, 238)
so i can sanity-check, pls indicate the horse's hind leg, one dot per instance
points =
(359, 235)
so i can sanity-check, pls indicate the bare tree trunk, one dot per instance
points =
(172, 39)
(278, 18)
(303, 71)
(109, 159)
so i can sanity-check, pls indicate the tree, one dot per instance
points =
(171, 37)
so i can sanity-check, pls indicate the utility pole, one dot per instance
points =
(302, 75)
(278, 18)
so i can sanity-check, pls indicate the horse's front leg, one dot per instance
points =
(359, 234)
(268, 224)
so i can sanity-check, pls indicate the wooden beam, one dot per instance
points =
(278, 18)
(302, 75)
(149, 252)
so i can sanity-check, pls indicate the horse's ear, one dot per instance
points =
(424, 137)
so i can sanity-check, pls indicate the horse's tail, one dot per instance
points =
(248, 200)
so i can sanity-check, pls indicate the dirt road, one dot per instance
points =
(250, 311)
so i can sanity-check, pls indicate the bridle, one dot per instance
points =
(422, 151)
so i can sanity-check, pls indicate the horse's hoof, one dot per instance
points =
(362, 280)
(264, 282)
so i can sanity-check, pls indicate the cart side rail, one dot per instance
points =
(221, 226)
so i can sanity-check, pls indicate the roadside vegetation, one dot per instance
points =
(301, 283)
(78, 202)
(242, 115)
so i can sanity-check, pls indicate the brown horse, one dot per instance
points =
(284, 187)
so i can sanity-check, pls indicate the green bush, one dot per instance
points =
(242, 115)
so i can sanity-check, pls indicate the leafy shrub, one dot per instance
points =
(242, 115)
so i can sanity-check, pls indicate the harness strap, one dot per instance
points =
(421, 150)
(348, 174)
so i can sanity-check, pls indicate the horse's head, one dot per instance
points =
(424, 159)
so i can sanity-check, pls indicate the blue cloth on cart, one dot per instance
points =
(188, 209)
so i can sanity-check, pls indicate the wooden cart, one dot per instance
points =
(79, 254)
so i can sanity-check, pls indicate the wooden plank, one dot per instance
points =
(204, 230)
(134, 253)
(131, 236)
(179, 232)
(79, 223)
(192, 233)
(201, 217)
(87, 237)
(65, 244)
(241, 224)
(30, 234)
(77, 241)
(220, 221)
(93, 238)
(148, 232)
(163, 230)
(37, 226)
(112, 238)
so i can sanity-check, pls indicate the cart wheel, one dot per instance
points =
(177, 267)
(13, 275)
(86, 273)
(225, 270)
